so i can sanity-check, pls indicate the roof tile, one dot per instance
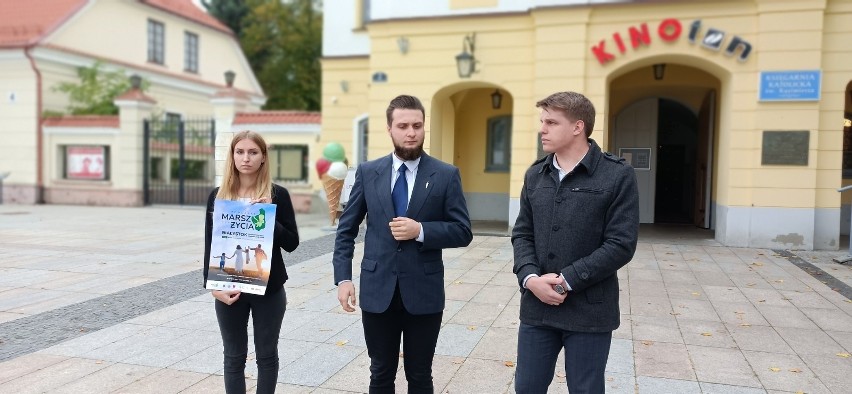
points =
(136, 95)
(82, 121)
(188, 10)
(279, 117)
(23, 23)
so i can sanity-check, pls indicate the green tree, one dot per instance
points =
(283, 43)
(96, 90)
(229, 12)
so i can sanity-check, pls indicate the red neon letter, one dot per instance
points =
(636, 36)
(618, 42)
(669, 29)
(601, 53)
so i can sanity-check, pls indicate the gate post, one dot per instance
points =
(146, 163)
(181, 163)
(127, 154)
(226, 103)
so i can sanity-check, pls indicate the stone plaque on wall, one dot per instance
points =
(785, 148)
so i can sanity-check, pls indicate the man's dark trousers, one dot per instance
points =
(585, 359)
(382, 333)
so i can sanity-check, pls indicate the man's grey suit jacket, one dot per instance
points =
(437, 202)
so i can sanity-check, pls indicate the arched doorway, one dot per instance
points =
(664, 124)
(677, 148)
(846, 198)
(478, 142)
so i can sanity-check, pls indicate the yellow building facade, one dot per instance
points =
(732, 112)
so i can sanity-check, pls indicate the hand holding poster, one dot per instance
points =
(240, 247)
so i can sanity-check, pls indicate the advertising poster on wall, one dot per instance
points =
(241, 246)
(85, 162)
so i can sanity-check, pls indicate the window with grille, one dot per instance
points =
(499, 144)
(156, 42)
(190, 52)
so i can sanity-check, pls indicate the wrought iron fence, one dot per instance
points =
(179, 160)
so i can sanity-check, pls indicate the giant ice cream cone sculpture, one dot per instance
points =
(333, 189)
(332, 169)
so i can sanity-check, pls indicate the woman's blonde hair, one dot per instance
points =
(231, 180)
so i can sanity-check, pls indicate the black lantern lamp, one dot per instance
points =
(496, 99)
(659, 71)
(135, 81)
(402, 44)
(465, 61)
(229, 78)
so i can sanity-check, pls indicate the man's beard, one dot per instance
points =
(408, 154)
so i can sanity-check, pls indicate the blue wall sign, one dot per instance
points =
(799, 85)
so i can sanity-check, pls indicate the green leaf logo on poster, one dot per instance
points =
(259, 220)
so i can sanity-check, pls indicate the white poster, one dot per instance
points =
(241, 246)
(85, 162)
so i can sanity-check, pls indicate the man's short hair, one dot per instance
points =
(404, 102)
(575, 105)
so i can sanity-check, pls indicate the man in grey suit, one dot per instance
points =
(408, 226)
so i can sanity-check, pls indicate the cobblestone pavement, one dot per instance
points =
(107, 300)
(35, 332)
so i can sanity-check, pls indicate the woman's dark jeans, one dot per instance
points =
(267, 313)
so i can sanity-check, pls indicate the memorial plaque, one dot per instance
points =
(785, 148)
(639, 158)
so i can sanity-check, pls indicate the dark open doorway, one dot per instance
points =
(677, 142)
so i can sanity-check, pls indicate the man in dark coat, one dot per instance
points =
(578, 224)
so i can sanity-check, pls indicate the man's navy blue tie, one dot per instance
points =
(400, 193)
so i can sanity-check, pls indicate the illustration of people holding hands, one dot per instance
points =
(222, 262)
(259, 256)
(238, 263)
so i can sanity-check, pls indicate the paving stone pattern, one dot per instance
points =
(35, 332)
(697, 317)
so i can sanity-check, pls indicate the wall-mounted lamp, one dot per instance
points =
(659, 71)
(465, 61)
(344, 86)
(496, 99)
(135, 81)
(229, 78)
(379, 77)
(402, 43)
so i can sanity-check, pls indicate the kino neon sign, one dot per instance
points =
(670, 30)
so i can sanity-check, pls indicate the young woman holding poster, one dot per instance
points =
(247, 179)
